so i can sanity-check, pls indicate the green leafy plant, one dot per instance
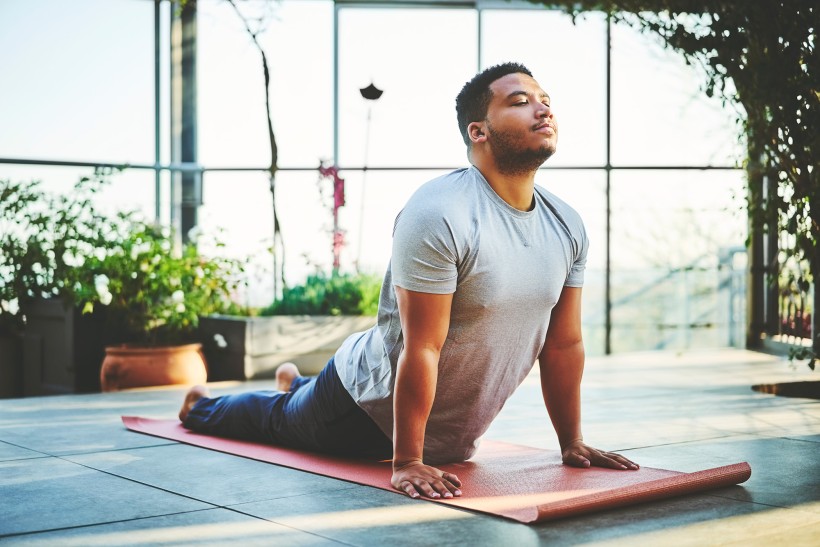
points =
(760, 58)
(63, 246)
(339, 294)
(43, 238)
(153, 294)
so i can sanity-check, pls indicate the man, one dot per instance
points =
(485, 278)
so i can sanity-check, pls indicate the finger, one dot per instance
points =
(409, 489)
(577, 460)
(452, 478)
(443, 488)
(605, 459)
(625, 461)
(454, 482)
(449, 489)
(424, 487)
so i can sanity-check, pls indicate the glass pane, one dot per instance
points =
(678, 258)
(77, 87)
(374, 198)
(128, 190)
(585, 191)
(298, 43)
(420, 58)
(554, 49)
(660, 115)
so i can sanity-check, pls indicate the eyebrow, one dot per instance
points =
(541, 95)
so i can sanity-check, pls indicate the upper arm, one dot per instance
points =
(425, 318)
(565, 321)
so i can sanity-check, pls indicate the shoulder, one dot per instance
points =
(445, 200)
(568, 216)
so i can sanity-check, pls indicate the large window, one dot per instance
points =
(77, 80)
(569, 61)
(645, 156)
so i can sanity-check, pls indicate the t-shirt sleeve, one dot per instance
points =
(424, 257)
(575, 278)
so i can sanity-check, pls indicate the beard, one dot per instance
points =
(512, 157)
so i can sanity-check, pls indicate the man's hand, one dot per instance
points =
(578, 454)
(415, 478)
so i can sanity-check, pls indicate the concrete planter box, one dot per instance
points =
(243, 348)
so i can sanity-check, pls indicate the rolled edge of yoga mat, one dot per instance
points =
(678, 485)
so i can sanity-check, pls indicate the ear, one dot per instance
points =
(477, 132)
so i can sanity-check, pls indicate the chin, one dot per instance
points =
(548, 151)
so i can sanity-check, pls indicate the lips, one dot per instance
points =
(544, 127)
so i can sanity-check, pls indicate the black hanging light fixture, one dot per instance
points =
(371, 92)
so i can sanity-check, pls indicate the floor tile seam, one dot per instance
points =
(801, 440)
(750, 502)
(681, 442)
(44, 454)
(311, 493)
(42, 457)
(105, 523)
(135, 481)
(772, 424)
(63, 455)
(237, 511)
(762, 436)
(111, 450)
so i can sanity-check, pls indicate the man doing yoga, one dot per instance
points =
(484, 280)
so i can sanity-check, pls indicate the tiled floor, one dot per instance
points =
(70, 474)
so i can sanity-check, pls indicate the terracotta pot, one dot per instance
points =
(138, 366)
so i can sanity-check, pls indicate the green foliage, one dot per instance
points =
(62, 246)
(339, 294)
(155, 294)
(42, 238)
(759, 57)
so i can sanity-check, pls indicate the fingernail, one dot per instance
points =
(435, 495)
(448, 495)
(457, 492)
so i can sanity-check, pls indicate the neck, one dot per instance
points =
(516, 189)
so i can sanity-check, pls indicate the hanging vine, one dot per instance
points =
(760, 58)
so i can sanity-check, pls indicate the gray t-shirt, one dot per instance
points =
(506, 269)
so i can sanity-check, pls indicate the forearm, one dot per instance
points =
(561, 372)
(413, 397)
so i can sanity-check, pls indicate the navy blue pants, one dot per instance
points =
(317, 414)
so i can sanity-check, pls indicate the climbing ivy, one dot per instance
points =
(760, 58)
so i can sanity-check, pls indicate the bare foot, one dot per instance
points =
(194, 394)
(285, 374)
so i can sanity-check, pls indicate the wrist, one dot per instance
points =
(572, 441)
(400, 463)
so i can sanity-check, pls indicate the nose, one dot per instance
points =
(543, 111)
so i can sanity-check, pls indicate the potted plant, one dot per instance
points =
(155, 296)
(74, 280)
(42, 236)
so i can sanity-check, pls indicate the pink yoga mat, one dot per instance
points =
(518, 482)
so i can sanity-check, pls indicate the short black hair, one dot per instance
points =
(474, 98)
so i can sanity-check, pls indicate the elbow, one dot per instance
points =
(558, 351)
